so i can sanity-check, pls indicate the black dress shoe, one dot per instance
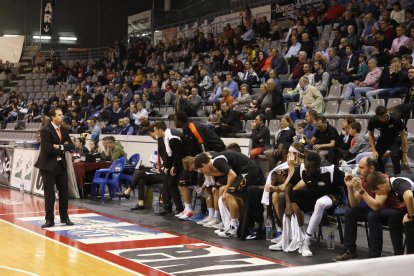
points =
(123, 195)
(49, 223)
(68, 222)
(138, 207)
(165, 213)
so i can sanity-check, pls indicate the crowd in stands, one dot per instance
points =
(364, 48)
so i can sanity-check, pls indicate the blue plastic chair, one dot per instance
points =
(108, 177)
(128, 171)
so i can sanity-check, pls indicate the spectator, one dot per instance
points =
(229, 121)
(215, 95)
(326, 137)
(94, 129)
(370, 83)
(320, 78)
(279, 63)
(310, 98)
(307, 44)
(94, 148)
(242, 104)
(196, 102)
(114, 117)
(260, 136)
(206, 82)
(285, 134)
(397, 13)
(400, 43)
(112, 149)
(297, 72)
(232, 86)
(80, 148)
(294, 48)
(333, 64)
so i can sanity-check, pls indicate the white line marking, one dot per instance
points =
(74, 248)
(36, 212)
(18, 270)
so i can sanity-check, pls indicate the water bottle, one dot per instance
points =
(21, 188)
(330, 242)
(269, 229)
(155, 204)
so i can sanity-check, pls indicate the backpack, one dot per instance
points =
(358, 107)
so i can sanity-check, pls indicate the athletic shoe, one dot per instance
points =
(219, 225)
(306, 251)
(211, 223)
(186, 215)
(230, 233)
(179, 214)
(218, 231)
(205, 220)
(276, 247)
(197, 217)
(278, 237)
(347, 255)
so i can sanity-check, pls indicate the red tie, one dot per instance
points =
(158, 162)
(60, 134)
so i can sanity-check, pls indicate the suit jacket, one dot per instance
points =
(352, 64)
(47, 160)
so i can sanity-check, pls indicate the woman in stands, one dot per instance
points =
(285, 134)
(80, 146)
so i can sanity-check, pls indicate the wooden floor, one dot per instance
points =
(25, 251)
(99, 244)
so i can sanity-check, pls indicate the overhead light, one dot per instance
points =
(43, 37)
(10, 35)
(71, 38)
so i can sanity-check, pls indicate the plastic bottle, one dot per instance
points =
(155, 203)
(330, 241)
(269, 229)
(22, 188)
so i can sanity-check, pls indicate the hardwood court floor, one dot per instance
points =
(101, 244)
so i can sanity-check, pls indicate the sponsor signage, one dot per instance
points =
(195, 259)
(6, 158)
(92, 228)
(22, 168)
(139, 22)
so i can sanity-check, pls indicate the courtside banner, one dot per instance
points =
(139, 22)
(6, 159)
(22, 168)
(73, 191)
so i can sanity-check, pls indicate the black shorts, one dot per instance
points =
(306, 200)
(238, 188)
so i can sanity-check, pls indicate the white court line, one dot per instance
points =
(74, 248)
(37, 212)
(18, 270)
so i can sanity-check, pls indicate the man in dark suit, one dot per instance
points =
(349, 65)
(55, 141)
(229, 122)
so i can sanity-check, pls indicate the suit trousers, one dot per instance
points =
(171, 193)
(58, 177)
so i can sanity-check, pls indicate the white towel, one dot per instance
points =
(168, 136)
(292, 236)
(266, 195)
(225, 213)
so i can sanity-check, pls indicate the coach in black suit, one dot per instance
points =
(54, 142)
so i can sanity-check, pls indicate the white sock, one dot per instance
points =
(188, 207)
(211, 212)
(234, 222)
(217, 215)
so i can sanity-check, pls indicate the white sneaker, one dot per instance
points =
(205, 220)
(211, 223)
(231, 233)
(179, 214)
(305, 251)
(219, 225)
(276, 240)
(218, 231)
(276, 247)
(186, 215)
